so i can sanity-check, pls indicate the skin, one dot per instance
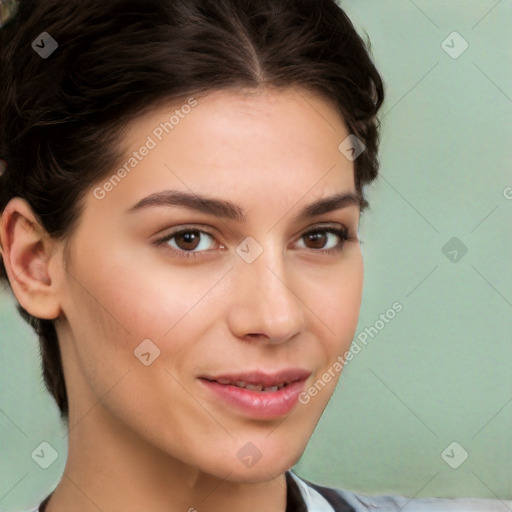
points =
(151, 437)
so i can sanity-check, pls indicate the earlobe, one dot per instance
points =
(28, 253)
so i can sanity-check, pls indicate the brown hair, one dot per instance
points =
(62, 117)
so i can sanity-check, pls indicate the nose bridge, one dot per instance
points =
(264, 301)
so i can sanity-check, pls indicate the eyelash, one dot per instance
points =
(343, 233)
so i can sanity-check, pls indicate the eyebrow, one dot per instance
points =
(228, 210)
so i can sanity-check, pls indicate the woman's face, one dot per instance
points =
(164, 297)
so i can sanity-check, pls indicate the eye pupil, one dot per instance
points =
(188, 240)
(318, 238)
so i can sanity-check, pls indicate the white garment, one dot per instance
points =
(315, 502)
(362, 503)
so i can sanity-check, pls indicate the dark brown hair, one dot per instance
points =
(62, 117)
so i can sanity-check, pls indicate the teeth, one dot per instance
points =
(252, 387)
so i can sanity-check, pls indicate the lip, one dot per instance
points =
(259, 404)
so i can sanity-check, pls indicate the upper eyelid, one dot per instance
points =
(325, 226)
(210, 230)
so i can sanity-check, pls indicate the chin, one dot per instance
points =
(252, 465)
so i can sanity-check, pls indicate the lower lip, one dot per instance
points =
(258, 404)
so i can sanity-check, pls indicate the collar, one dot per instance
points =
(301, 496)
(304, 496)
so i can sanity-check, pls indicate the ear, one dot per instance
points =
(30, 259)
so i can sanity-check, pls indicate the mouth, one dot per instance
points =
(253, 387)
(261, 381)
(258, 394)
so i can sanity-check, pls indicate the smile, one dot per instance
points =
(257, 394)
(253, 387)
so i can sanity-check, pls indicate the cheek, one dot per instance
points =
(336, 299)
(337, 302)
(113, 315)
(127, 301)
(119, 310)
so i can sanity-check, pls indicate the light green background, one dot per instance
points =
(439, 372)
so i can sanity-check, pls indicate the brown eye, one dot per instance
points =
(190, 240)
(317, 239)
(325, 239)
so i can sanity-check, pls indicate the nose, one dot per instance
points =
(266, 302)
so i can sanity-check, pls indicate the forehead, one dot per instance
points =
(276, 144)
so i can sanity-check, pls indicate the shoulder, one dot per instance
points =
(317, 498)
(325, 499)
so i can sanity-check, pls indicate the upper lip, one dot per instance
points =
(261, 378)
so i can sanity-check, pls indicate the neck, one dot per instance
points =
(110, 469)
